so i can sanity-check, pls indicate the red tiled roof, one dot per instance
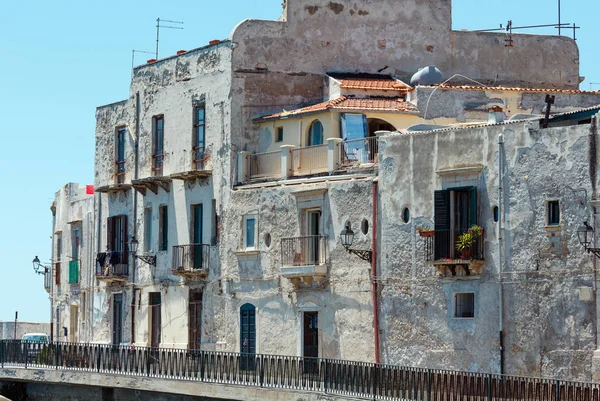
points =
(346, 103)
(502, 88)
(380, 84)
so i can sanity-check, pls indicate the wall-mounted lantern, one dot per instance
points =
(347, 237)
(38, 267)
(133, 248)
(585, 232)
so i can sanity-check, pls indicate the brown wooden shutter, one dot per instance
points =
(109, 233)
(57, 273)
(124, 238)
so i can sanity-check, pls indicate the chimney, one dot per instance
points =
(495, 115)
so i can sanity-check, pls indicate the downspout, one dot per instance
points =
(136, 141)
(500, 266)
(98, 223)
(52, 269)
(374, 274)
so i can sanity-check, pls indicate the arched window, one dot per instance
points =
(315, 133)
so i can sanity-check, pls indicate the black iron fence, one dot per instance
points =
(112, 264)
(194, 258)
(444, 245)
(304, 251)
(355, 379)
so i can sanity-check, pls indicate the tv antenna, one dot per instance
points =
(133, 52)
(593, 83)
(158, 26)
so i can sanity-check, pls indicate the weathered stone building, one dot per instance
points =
(237, 206)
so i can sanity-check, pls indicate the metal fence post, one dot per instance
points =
(57, 355)
(489, 387)
(99, 350)
(2, 353)
(261, 361)
(24, 345)
(147, 361)
(428, 384)
(325, 386)
(557, 390)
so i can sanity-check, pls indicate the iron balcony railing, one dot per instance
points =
(264, 165)
(443, 246)
(112, 264)
(194, 258)
(304, 251)
(120, 166)
(157, 165)
(337, 377)
(200, 158)
(357, 152)
(309, 160)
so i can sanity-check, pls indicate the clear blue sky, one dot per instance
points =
(61, 59)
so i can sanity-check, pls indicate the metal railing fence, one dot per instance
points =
(309, 160)
(357, 152)
(355, 379)
(304, 251)
(191, 258)
(264, 165)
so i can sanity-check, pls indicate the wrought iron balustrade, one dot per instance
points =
(191, 259)
(112, 264)
(443, 247)
(120, 174)
(158, 164)
(303, 251)
(201, 157)
(332, 376)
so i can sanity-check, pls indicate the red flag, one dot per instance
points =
(89, 189)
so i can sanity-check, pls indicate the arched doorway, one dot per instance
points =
(377, 124)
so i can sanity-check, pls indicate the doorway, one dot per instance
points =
(155, 319)
(195, 319)
(117, 332)
(312, 244)
(247, 336)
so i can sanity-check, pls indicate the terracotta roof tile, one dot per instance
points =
(346, 103)
(380, 84)
(509, 89)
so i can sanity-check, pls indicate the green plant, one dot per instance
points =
(465, 241)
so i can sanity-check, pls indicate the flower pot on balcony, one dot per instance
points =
(465, 254)
(427, 233)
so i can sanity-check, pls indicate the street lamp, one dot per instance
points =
(133, 248)
(585, 232)
(347, 237)
(38, 267)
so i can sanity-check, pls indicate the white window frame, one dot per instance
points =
(244, 230)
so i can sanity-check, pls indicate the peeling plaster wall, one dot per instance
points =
(73, 206)
(343, 299)
(548, 330)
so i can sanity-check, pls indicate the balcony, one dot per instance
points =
(304, 259)
(264, 165)
(291, 162)
(201, 165)
(191, 261)
(112, 266)
(440, 250)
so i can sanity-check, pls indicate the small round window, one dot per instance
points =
(267, 240)
(365, 226)
(406, 215)
(496, 213)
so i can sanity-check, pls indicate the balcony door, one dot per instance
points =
(455, 213)
(312, 233)
(117, 323)
(116, 243)
(197, 217)
(247, 336)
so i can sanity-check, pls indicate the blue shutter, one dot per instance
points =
(472, 206)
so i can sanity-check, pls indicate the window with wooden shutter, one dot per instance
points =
(472, 206)
(109, 233)
(442, 224)
(57, 273)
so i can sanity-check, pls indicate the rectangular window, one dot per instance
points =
(116, 234)
(464, 305)
(199, 136)
(354, 126)
(279, 134)
(155, 319)
(75, 241)
(148, 229)
(57, 273)
(117, 321)
(215, 224)
(120, 154)
(159, 143)
(59, 246)
(553, 213)
(164, 228)
(250, 233)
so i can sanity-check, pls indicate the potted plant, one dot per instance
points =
(466, 240)
(425, 232)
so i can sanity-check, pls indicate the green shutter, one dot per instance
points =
(73, 271)
(442, 210)
(472, 206)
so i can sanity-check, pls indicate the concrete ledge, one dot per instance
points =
(160, 385)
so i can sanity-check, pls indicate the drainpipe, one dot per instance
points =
(137, 153)
(374, 274)
(500, 267)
